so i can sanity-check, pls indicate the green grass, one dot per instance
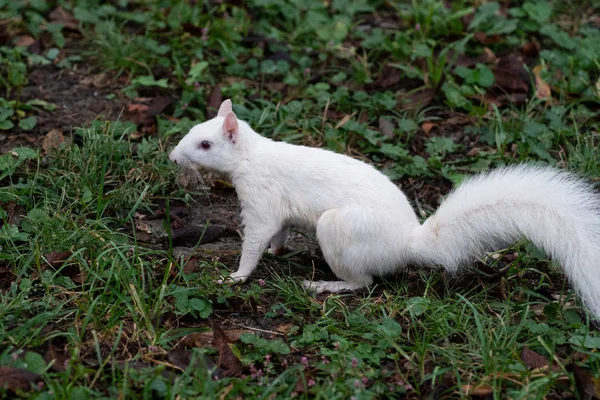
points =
(99, 311)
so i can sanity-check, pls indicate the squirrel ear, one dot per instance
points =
(230, 127)
(226, 107)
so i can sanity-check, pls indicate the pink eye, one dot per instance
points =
(205, 145)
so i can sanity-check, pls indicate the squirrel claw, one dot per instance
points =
(233, 278)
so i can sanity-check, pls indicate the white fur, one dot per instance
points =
(366, 226)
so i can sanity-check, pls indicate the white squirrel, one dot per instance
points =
(365, 224)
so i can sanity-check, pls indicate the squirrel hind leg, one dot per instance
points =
(332, 286)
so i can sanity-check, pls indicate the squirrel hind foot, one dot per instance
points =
(332, 286)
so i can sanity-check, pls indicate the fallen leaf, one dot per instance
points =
(483, 38)
(285, 328)
(427, 127)
(53, 139)
(390, 76)
(473, 152)
(57, 258)
(79, 277)
(206, 339)
(462, 60)
(191, 265)
(513, 78)
(215, 98)
(24, 41)
(158, 105)
(480, 391)
(232, 367)
(417, 99)
(343, 121)
(542, 89)
(587, 386)
(137, 108)
(199, 340)
(177, 223)
(515, 98)
(57, 360)
(532, 359)
(14, 379)
(97, 80)
(386, 127)
(487, 99)
(61, 16)
(333, 114)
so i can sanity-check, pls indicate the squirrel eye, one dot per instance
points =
(205, 145)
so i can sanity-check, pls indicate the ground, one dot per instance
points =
(109, 253)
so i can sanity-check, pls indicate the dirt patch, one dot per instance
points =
(80, 97)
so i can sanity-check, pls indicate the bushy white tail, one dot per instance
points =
(557, 211)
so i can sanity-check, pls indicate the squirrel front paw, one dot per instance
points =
(236, 277)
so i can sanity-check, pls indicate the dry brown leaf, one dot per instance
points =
(484, 38)
(542, 89)
(390, 76)
(473, 152)
(228, 362)
(418, 99)
(79, 278)
(24, 41)
(158, 105)
(57, 359)
(587, 386)
(57, 258)
(516, 98)
(191, 265)
(343, 121)
(98, 80)
(462, 60)
(481, 390)
(61, 16)
(205, 339)
(532, 359)
(284, 329)
(199, 340)
(14, 379)
(136, 135)
(215, 98)
(52, 140)
(511, 78)
(427, 127)
(137, 108)
(487, 99)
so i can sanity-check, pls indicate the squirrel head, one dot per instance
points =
(213, 144)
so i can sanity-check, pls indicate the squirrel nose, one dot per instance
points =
(172, 157)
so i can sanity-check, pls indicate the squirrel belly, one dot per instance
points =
(366, 226)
